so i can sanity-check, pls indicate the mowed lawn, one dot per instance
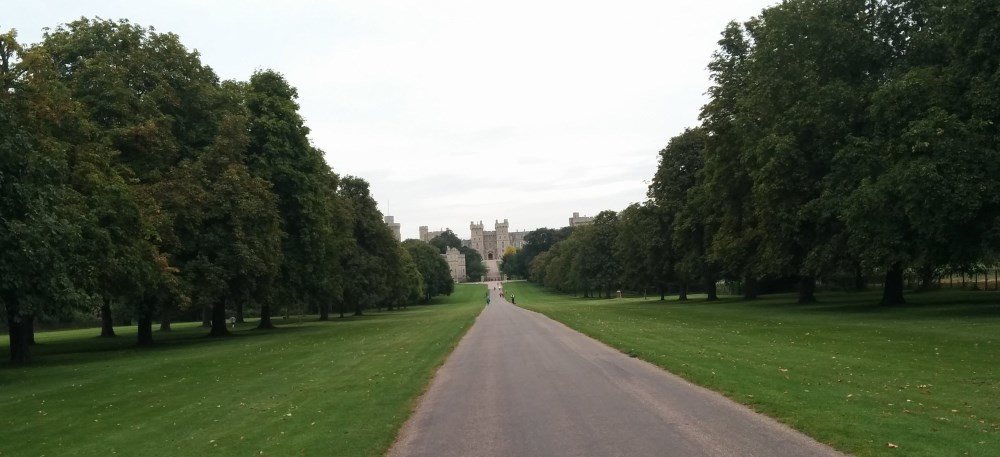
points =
(924, 377)
(342, 387)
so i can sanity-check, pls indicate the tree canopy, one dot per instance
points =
(134, 183)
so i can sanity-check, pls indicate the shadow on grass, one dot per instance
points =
(90, 347)
(86, 348)
(934, 304)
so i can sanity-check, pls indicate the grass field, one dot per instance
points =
(924, 377)
(341, 388)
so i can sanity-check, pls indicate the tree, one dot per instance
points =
(672, 192)
(921, 189)
(726, 181)
(41, 216)
(813, 68)
(535, 242)
(635, 248)
(152, 102)
(445, 240)
(474, 267)
(433, 269)
(279, 152)
(371, 255)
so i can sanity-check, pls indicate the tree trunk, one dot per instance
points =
(750, 288)
(239, 312)
(926, 278)
(107, 324)
(324, 311)
(682, 294)
(206, 316)
(663, 293)
(145, 332)
(859, 279)
(29, 329)
(265, 317)
(219, 320)
(807, 290)
(165, 319)
(19, 352)
(892, 291)
(712, 289)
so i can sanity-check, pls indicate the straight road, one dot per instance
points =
(520, 384)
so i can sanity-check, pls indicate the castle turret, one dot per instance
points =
(503, 237)
(477, 237)
(394, 226)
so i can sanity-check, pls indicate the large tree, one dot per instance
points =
(682, 216)
(153, 103)
(433, 268)
(279, 152)
(921, 189)
(372, 256)
(813, 68)
(42, 218)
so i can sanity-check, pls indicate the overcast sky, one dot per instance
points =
(462, 110)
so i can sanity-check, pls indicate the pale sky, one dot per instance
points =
(462, 110)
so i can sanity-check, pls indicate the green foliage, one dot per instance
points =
(379, 273)
(535, 243)
(842, 138)
(432, 267)
(445, 240)
(279, 152)
(43, 219)
(135, 184)
(475, 269)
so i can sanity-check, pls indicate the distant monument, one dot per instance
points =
(492, 244)
(394, 226)
(456, 264)
(426, 236)
(578, 220)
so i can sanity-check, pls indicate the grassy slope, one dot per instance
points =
(925, 377)
(313, 388)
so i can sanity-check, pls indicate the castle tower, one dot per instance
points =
(503, 237)
(394, 226)
(477, 238)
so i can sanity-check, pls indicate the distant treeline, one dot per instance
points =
(842, 140)
(133, 182)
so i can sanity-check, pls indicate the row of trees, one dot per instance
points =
(842, 139)
(132, 178)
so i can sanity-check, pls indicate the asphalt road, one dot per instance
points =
(520, 384)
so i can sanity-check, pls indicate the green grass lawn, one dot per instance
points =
(340, 388)
(925, 377)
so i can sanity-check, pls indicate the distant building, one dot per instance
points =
(456, 264)
(394, 226)
(426, 236)
(578, 220)
(491, 244)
